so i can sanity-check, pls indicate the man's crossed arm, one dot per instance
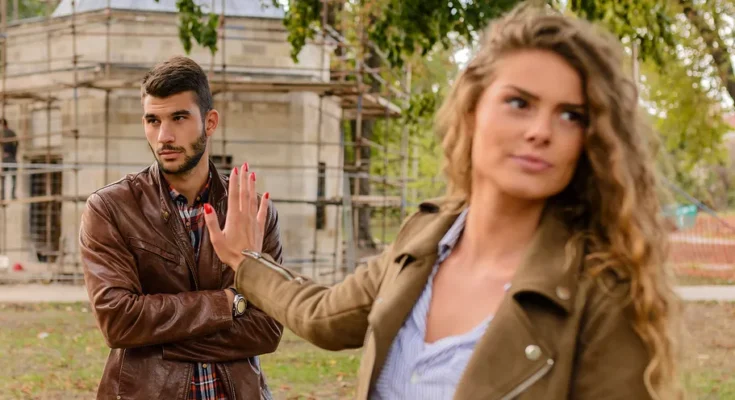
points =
(190, 326)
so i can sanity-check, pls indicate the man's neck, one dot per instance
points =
(190, 183)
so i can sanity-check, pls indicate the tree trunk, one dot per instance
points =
(715, 45)
(365, 237)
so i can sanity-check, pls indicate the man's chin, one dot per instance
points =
(170, 168)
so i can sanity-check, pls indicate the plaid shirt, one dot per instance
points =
(205, 385)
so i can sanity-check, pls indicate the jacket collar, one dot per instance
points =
(550, 268)
(217, 190)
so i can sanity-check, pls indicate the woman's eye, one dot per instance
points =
(574, 116)
(517, 102)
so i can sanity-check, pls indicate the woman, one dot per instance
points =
(539, 276)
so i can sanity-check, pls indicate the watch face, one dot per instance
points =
(241, 306)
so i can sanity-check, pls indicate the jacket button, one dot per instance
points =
(562, 292)
(533, 352)
(164, 214)
(118, 397)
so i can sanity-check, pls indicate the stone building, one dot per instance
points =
(71, 93)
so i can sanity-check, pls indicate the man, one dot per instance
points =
(10, 150)
(163, 300)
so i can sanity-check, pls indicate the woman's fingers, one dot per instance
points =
(260, 224)
(252, 199)
(233, 199)
(242, 190)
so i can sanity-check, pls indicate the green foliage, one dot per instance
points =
(687, 118)
(195, 25)
(302, 21)
(647, 22)
(405, 27)
(27, 9)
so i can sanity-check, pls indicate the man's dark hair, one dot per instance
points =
(177, 75)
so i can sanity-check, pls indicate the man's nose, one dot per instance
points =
(165, 133)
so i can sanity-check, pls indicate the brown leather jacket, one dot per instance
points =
(157, 309)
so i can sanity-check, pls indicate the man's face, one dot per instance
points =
(176, 132)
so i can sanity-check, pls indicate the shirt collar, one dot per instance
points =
(202, 196)
(450, 239)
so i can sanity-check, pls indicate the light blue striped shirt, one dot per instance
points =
(415, 369)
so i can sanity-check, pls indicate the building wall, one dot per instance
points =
(139, 40)
(287, 169)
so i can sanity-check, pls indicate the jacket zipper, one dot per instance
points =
(189, 376)
(232, 385)
(275, 267)
(530, 381)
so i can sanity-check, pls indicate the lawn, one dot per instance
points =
(55, 352)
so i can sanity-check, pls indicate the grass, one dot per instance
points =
(54, 351)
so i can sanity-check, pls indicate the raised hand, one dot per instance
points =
(245, 223)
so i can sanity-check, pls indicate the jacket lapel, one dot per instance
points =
(391, 309)
(203, 277)
(513, 351)
(415, 257)
(170, 215)
(210, 267)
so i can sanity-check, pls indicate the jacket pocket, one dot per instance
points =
(161, 269)
(155, 249)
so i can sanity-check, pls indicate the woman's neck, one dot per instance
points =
(498, 228)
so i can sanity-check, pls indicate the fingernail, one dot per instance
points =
(234, 170)
(253, 176)
(207, 208)
(267, 195)
(246, 166)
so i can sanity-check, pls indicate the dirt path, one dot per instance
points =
(73, 294)
(36, 293)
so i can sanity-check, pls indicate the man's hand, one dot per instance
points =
(245, 222)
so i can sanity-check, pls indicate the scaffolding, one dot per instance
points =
(56, 181)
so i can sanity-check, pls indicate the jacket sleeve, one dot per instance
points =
(612, 358)
(252, 334)
(331, 317)
(126, 316)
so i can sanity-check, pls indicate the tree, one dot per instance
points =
(26, 9)
(195, 25)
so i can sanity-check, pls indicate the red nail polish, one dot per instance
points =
(247, 167)
(207, 208)
(253, 176)
(234, 170)
(267, 195)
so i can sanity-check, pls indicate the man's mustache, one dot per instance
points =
(169, 147)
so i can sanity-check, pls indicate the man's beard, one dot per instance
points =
(190, 161)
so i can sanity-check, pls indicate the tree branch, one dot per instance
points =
(715, 45)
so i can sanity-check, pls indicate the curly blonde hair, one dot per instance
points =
(612, 199)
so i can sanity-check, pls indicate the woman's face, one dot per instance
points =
(529, 126)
